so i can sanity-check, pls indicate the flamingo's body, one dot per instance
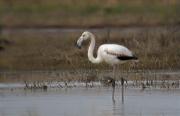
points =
(114, 54)
(110, 53)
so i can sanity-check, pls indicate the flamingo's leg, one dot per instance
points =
(113, 84)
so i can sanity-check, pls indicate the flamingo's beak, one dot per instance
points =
(77, 45)
(79, 42)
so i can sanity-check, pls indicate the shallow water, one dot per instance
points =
(89, 102)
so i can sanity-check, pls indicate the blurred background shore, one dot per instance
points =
(88, 13)
(40, 35)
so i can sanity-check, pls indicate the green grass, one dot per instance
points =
(88, 8)
(97, 13)
(152, 9)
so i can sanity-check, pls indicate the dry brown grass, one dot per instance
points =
(156, 47)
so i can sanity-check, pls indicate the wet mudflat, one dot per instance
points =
(95, 101)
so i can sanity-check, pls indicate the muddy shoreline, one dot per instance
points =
(161, 79)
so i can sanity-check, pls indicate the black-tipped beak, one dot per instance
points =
(78, 46)
(79, 42)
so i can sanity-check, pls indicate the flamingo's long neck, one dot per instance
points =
(91, 50)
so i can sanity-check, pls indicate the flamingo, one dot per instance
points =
(112, 54)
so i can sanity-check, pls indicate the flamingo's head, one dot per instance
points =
(85, 35)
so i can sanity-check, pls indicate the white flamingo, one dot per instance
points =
(112, 54)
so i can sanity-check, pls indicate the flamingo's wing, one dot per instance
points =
(120, 52)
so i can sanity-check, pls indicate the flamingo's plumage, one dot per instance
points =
(109, 53)
(115, 54)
